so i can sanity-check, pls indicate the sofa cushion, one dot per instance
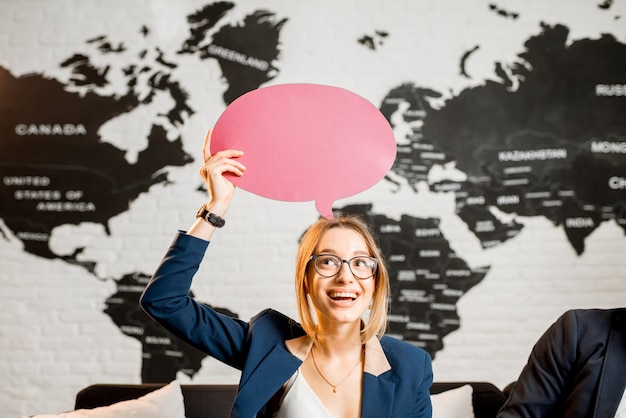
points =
(201, 400)
(164, 402)
(487, 399)
(453, 403)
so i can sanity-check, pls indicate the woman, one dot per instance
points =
(333, 364)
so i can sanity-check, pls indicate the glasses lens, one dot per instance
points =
(363, 267)
(328, 265)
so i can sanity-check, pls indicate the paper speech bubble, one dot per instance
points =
(304, 142)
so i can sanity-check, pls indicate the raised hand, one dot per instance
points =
(220, 189)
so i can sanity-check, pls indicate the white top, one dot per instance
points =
(299, 400)
(621, 409)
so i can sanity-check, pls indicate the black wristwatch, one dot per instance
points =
(210, 217)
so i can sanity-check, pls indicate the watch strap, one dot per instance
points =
(208, 216)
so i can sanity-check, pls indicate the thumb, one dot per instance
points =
(206, 149)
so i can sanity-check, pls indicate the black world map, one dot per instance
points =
(546, 137)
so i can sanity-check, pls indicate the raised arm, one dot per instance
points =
(166, 297)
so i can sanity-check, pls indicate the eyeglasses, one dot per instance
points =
(328, 265)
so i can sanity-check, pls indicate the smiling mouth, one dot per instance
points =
(342, 295)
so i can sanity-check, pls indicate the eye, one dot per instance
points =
(328, 260)
(363, 262)
(359, 262)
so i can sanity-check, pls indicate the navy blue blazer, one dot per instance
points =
(577, 369)
(271, 347)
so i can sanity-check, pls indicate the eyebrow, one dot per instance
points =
(329, 251)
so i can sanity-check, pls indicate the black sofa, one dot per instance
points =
(214, 401)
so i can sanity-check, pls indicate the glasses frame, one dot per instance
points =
(314, 257)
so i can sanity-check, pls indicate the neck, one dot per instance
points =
(343, 340)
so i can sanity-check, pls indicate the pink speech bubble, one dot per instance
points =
(304, 142)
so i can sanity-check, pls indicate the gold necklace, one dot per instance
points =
(342, 380)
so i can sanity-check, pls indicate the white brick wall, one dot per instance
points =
(54, 338)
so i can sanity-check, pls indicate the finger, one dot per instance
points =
(227, 153)
(226, 164)
(221, 162)
(235, 170)
(206, 149)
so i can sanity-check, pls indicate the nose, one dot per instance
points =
(345, 274)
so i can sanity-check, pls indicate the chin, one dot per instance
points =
(348, 319)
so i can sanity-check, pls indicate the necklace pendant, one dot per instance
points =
(334, 390)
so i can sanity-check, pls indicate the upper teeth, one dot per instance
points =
(342, 295)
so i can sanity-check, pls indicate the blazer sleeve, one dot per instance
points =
(166, 300)
(541, 388)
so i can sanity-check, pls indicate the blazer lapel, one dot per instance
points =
(376, 362)
(377, 396)
(267, 378)
(378, 386)
(612, 381)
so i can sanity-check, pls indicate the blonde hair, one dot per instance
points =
(377, 323)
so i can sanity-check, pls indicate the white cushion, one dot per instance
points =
(165, 402)
(453, 403)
